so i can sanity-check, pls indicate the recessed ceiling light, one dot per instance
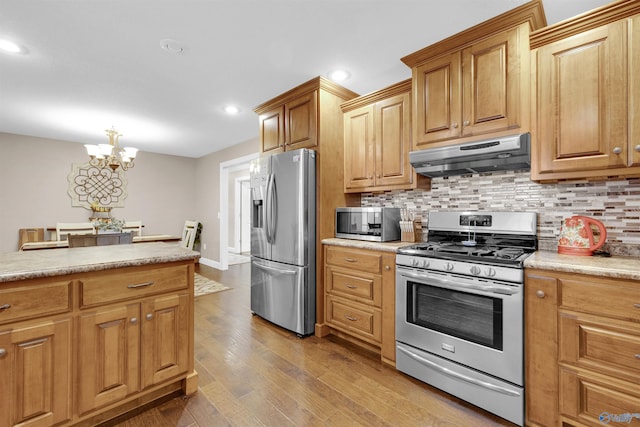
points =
(231, 109)
(172, 46)
(9, 46)
(339, 75)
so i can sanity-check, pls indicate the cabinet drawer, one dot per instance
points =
(352, 258)
(604, 346)
(586, 397)
(354, 318)
(138, 282)
(365, 287)
(616, 300)
(34, 300)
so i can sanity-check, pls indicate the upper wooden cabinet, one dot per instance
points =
(291, 121)
(585, 95)
(475, 83)
(377, 141)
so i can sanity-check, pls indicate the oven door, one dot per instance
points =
(475, 322)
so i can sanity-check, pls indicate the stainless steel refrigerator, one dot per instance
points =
(283, 239)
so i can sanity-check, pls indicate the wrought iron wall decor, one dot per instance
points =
(91, 186)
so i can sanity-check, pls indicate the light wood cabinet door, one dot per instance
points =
(634, 91)
(359, 148)
(35, 361)
(165, 338)
(582, 101)
(108, 356)
(272, 130)
(491, 82)
(541, 349)
(437, 100)
(392, 118)
(301, 122)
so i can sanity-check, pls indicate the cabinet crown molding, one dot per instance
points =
(398, 88)
(309, 86)
(586, 21)
(531, 13)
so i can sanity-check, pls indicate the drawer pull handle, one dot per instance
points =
(5, 307)
(3, 353)
(351, 260)
(353, 319)
(350, 286)
(540, 294)
(140, 285)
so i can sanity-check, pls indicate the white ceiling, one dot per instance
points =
(93, 64)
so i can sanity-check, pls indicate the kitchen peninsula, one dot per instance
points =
(89, 333)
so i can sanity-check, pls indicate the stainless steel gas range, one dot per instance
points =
(459, 307)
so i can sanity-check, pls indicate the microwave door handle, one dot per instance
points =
(458, 375)
(448, 284)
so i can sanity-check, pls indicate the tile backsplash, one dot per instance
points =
(616, 203)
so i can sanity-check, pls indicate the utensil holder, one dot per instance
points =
(410, 231)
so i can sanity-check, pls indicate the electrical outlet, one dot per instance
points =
(204, 246)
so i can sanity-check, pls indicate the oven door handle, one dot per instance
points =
(443, 283)
(457, 375)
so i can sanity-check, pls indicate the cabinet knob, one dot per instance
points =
(455, 125)
(134, 320)
(617, 150)
(637, 148)
(377, 175)
(149, 316)
(637, 356)
(386, 267)
(466, 123)
(540, 294)
(636, 305)
(3, 353)
(5, 307)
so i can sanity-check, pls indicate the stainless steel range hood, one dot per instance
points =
(505, 153)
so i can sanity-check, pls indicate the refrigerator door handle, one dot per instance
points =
(272, 209)
(267, 208)
(273, 270)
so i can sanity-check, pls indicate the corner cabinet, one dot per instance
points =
(476, 82)
(360, 298)
(586, 96)
(87, 347)
(377, 142)
(583, 348)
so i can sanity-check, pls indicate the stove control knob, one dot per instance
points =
(448, 266)
(414, 262)
(424, 263)
(475, 270)
(490, 272)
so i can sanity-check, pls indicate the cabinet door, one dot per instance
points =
(437, 100)
(359, 149)
(582, 93)
(301, 122)
(109, 355)
(491, 84)
(165, 338)
(36, 376)
(634, 92)
(272, 130)
(392, 118)
(541, 342)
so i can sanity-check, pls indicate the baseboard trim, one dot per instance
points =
(210, 263)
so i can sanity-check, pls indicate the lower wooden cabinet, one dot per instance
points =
(360, 297)
(582, 348)
(118, 339)
(35, 361)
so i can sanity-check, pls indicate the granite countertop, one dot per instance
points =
(363, 244)
(615, 266)
(56, 262)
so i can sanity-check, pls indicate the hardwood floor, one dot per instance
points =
(252, 373)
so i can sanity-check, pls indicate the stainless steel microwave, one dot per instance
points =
(376, 224)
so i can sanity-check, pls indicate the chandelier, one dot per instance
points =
(103, 155)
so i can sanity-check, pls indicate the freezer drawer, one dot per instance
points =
(283, 294)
